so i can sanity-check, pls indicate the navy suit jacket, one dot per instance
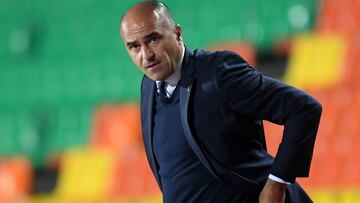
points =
(223, 101)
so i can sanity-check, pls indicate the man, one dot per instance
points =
(202, 118)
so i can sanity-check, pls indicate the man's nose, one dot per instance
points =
(148, 54)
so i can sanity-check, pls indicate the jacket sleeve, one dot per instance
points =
(248, 92)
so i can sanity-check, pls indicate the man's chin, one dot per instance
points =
(156, 77)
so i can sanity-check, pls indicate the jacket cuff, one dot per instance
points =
(291, 162)
(279, 180)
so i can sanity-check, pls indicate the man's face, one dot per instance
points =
(153, 43)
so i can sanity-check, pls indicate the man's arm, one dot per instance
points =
(273, 192)
(250, 93)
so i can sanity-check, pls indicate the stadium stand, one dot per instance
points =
(65, 84)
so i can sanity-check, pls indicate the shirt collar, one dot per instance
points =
(174, 78)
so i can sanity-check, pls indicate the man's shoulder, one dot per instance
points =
(217, 57)
(146, 82)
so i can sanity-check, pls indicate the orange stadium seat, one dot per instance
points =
(16, 177)
(336, 161)
(327, 14)
(338, 16)
(352, 65)
(273, 135)
(117, 127)
(134, 179)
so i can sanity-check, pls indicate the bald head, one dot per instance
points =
(150, 9)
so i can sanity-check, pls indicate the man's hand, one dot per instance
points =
(273, 192)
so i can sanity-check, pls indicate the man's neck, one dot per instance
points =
(174, 78)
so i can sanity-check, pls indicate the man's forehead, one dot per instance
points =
(141, 25)
(140, 28)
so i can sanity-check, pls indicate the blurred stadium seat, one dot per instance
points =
(342, 18)
(16, 176)
(117, 128)
(316, 61)
(85, 175)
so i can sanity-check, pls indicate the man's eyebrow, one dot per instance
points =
(131, 43)
(151, 35)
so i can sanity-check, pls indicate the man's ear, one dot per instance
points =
(178, 32)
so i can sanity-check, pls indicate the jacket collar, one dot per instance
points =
(187, 69)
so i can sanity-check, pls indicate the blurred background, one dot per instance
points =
(69, 94)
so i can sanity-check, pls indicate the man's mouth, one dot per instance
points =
(152, 65)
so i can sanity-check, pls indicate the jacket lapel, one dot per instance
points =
(147, 110)
(185, 85)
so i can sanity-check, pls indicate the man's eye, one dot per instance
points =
(153, 40)
(134, 46)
